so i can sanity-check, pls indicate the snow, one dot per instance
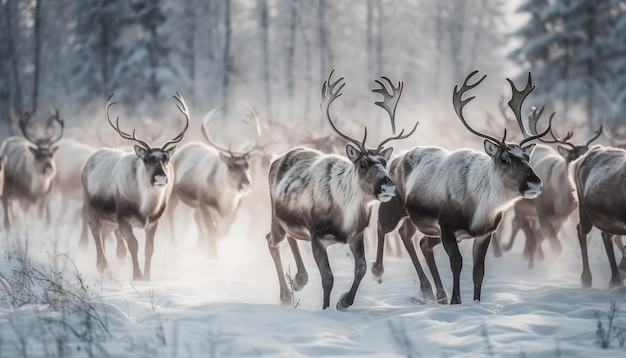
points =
(230, 307)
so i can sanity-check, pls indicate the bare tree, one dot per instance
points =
(37, 53)
(227, 57)
(265, 48)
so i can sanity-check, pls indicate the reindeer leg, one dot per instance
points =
(133, 246)
(448, 238)
(149, 249)
(617, 240)
(85, 222)
(407, 233)
(6, 206)
(321, 259)
(377, 266)
(121, 245)
(357, 247)
(302, 277)
(171, 210)
(275, 236)
(481, 245)
(427, 245)
(495, 239)
(530, 247)
(389, 215)
(616, 278)
(551, 231)
(96, 230)
(583, 228)
(515, 228)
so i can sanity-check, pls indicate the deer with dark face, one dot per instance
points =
(125, 190)
(543, 217)
(450, 196)
(30, 166)
(212, 180)
(326, 198)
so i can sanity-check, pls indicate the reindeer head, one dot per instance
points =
(41, 145)
(511, 160)
(155, 160)
(370, 164)
(237, 163)
(568, 150)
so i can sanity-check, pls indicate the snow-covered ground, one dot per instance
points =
(196, 307)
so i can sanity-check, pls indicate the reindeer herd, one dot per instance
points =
(327, 198)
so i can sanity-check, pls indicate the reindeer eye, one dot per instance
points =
(505, 161)
(363, 165)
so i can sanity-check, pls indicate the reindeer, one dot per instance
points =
(213, 180)
(598, 178)
(326, 198)
(29, 167)
(550, 210)
(451, 196)
(125, 190)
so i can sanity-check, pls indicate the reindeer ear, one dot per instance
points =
(564, 151)
(3, 160)
(491, 148)
(352, 152)
(529, 149)
(387, 153)
(170, 152)
(141, 152)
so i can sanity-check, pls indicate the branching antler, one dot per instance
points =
(48, 140)
(389, 103)
(182, 107)
(116, 126)
(209, 117)
(390, 99)
(515, 103)
(459, 103)
(330, 92)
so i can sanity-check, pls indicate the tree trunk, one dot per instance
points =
(291, 52)
(379, 39)
(190, 39)
(369, 38)
(227, 60)
(265, 48)
(37, 53)
(322, 35)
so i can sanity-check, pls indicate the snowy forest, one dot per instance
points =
(273, 54)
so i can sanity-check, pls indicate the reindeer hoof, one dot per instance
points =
(377, 271)
(342, 304)
(442, 298)
(427, 293)
(622, 266)
(285, 297)
(616, 282)
(138, 276)
(301, 280)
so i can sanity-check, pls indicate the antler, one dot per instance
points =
(390, 99)
(116, 126)
(23, 124)
(182, 107)
(533, 118)
(211, 116)
(389, 103)
(597, 134)
(329, 94)
(460, 103)
(49, 141)
(252, 114)
(517, 99)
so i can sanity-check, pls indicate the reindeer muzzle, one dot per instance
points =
(532, 188)
(387, 190)
(159, 180)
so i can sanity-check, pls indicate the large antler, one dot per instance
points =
(533, 118)
(389, 103)
(460, 103)
(56, 118)
(23, 124)
(330, 92)
(515, 103)
(390, 99)
(182, 107)
(209, 117)
(116, 126)
(597, 134)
